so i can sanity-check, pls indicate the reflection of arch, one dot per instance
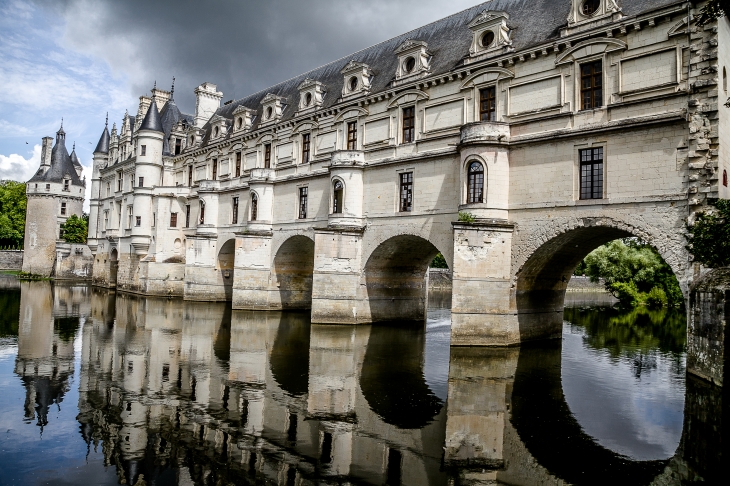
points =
(224, 263)
(290, 354)
(392, 379)
(542, 419)
(293, 271)
(395, 277)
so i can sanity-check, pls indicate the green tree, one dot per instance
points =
(75, 229)
(709, 237)
(634, 273)
(439, 262)
(12, 213)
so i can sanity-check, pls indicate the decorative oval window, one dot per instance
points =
(353, 83)
(239, 122)
(487, 38)
(409, 64)
(307, 99)
(590, 7)
(269, 111)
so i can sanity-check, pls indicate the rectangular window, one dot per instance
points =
(143, 150)
(202, 214)
(488, 104)
(154, 219)
(106, 220)
(238, 164)
(406, 191)
(141, 182)
(591, 85)
(352, 135)
(48, 187)
(63, 209)
(190, 176)
(591, 173)
(409, 124)
(66, 185)
(187, 216)
(173, 220)
(267, 156)
(234, 219)
(138, 221)
(178, 146)
(129, 216)
(119, 181)
(302, 202)
(215, 169)
(60, 232)
(305, 148)
(108, 189)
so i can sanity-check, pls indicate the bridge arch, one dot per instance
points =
(225, 265)
(292, 271)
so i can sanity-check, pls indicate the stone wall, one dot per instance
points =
(73, 261)
(11, 259)
(707, 325)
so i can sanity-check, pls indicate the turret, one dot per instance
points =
(75, 160)
(101, 158)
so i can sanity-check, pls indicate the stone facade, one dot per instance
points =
(11, 259)
(334, 190)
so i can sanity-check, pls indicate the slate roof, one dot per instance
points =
(533, 22)
(62, 167)
(103, 145)
(151, 120)
(170, 116)
(74, 157)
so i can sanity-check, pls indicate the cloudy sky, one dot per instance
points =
(78, 59)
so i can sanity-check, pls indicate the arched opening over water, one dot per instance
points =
(225, 264)
(293, 271)
(396, 278)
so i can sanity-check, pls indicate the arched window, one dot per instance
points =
(254, 206)
(337, 197)
(475, 183)
(724, 178)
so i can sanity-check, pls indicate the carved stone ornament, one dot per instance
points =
(490, 33)
(273, 108)
(243, 118)
(413, 60)
(311, 94)
(357, 79)
(578, 12)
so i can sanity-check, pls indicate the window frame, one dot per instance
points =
(406, 185)
(408, 133)
(303, 200)
(234, 210)
(267, 156)
(187, 215)
(592, 89)
(137, 221)
(66, 185)
(493, 100)
(140, 183)
(63, 209)
(351, 130)
(592, 193)
(338, 208)
(190, 175)
(215, 170)
(306, 147)
(143, 150)
(173, 220)
(472, 185)
(239, 161)
(254, 207)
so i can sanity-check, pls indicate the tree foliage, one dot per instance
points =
(75, 229)
(439, 262)
(12, 213)
(634, 273)
(709, 237)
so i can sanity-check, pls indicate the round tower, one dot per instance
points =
(101, 159)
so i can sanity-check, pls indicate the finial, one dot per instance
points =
(155, 86)
(172, 90)
(61, 123)
(74, 148)
(106, 123)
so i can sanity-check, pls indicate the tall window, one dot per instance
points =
(303, 202)
(475, 183)
(215, 169)
(129, 216)
(254, 206)
(120, 180)
(190, 176)
(66, 183)
(178, 146)
(143, 150)
(337, 197)
(488, 104)
(201, 219)
(591, 85)
(63, 209)
(406, 191)
(187, 216)
(173, 220)
(238, 164)
(409, 124)
(235, 211)
(352, 135)
(305, 148)
(108, 189)
(106, 219)
(141, 182)
(267, 156)
(138, 221)
(591, 173)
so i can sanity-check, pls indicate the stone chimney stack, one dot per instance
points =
(46, 149)
(207, 101)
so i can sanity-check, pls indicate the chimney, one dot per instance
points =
(46, 149)
(207, 101)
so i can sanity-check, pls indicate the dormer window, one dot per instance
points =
(589, 10)
(357, 79)
(590, 7)
(311, 95)
(413, 60)
(66, 183)
(218, 124)
(243, 118)
(273, 108)
(491, 35)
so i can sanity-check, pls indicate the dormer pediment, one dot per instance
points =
(357, 79)
(273, 108)
(585, 11)
(589, 48)
(243, 118)
(311, 95)
(217, 127)
(490, 35)
(414, 60)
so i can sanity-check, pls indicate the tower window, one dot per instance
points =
(267, 156)
(254, 207)
(591, 173)
(141, 182)
(63, 209)
(591, 85)
(409, 65)
(352, 135)
(488, 104)
(173, 220)
(234, 219)
(48, 187)
(178, 146)
(337, 197)
(66, 183)
(305, 148)
(138, 221)
(129, 216)
(143, 150)
(475, 183)
(406, 191)
(409, 124)
(302, 202)
(202, 214)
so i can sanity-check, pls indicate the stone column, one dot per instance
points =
(252, 271)
(707, 327)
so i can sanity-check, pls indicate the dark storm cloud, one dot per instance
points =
(242, 46)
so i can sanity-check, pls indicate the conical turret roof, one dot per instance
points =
(62, 167)
(103, 145)
(152, 120)
(74, 157)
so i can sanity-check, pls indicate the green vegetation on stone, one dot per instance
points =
(12, 213)
(634, 273)
(439, 262)
(465, 217)
(75, 229)
(709, 236)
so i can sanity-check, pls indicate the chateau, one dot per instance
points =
(513, 137)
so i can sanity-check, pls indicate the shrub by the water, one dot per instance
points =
(75, 229)
(709, 236)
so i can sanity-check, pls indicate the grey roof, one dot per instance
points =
(62, 167)
(170, 116)
(74, 157)
(103, 145)
(151, 120)
(533, 22)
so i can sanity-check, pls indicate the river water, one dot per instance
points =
(98, 388)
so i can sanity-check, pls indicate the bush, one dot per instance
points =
(656, 298)
(75, 229)
(439, 262)
(465, 217)
(625, 292)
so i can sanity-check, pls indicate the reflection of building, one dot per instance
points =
(49, 320)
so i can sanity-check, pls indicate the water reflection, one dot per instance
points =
(172, 392)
